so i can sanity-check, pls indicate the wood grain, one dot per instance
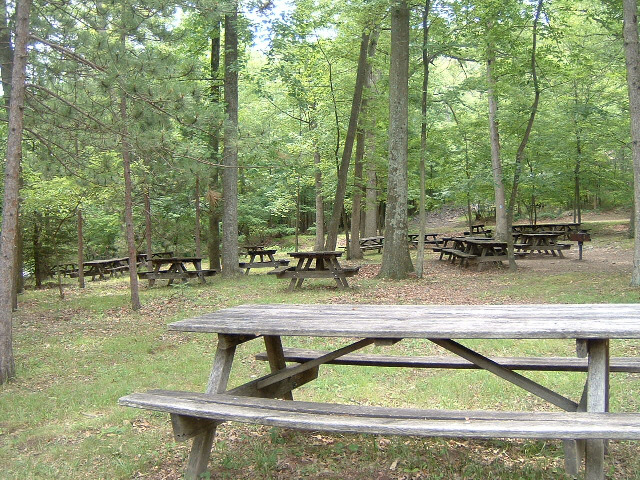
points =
(602, 321)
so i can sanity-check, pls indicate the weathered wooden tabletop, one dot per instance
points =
(596, 321)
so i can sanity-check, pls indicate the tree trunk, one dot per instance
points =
(80, 249)
(343, 171)
(371, 200)
(396, 261)
(230, 156)
(354, 245)
(632, 55)
(319, 243)
(423, 139)
(361, 146)
(197, 229)
(147, 227)
(11, 186)
(128, 206)
(525, 138)
(496, 163)
(214, 142)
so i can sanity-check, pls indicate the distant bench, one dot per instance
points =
(169, 275)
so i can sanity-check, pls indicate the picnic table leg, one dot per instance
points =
(251, 258)
(197, 264)
(275, 354)
(597, 401)
(338, 274)
(201, 447)
(574, 450)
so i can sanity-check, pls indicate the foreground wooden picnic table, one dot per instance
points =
(583, 424)
(317, 264)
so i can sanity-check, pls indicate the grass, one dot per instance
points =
(77, 355)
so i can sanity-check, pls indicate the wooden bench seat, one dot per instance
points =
(192, 413)
(265, 264)
(564, 364)
(167, 275)
(291, 272)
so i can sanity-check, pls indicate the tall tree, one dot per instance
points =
(632, 55)
(423, 138)
(343, 170)
(230, 155)
(396, 261)
(11, 185)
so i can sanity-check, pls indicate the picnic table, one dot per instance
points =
(176, 270)
(429, 239)
(326, 266)
(108, 266)
(583, 423)
(562, 228)
(372, 243)
(541, 242)
(266, 259)
(476, 250)
(69, 269)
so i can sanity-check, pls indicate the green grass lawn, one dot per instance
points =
(77, 355)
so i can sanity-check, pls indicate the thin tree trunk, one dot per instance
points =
(354, 245)
(11, 187)
(319, 243)
(147, 227)
(230, 156)
(343, 171)
(496, 162)
(197, 229)
(396, 261)
(214, 141)
(632, 55)
(128, 206)
(80, 249)
(525, 138)
(371, 200)
(423, 139)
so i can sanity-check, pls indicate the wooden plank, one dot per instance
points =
(315, 362)
(512, 377)
(597, 402)
(391, 421)
(550, 364)
(532, 321)
(218, 379)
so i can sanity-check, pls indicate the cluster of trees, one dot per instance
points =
(162, 125)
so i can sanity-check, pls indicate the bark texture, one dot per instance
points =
(632, 56)
(11, 187)
(396, 262)
(230, 155)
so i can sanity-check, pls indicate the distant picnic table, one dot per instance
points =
(176, 270)
(562, 228)
(266, 259)
(472, 250)
(326, 266)
(108, 266)
(541, 242)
